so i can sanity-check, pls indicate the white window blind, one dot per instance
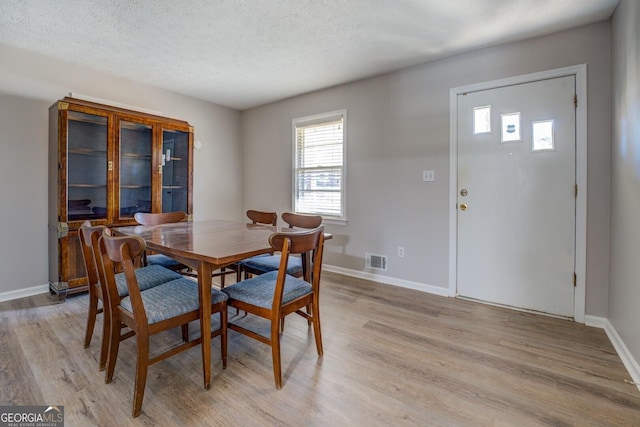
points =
(319, 165)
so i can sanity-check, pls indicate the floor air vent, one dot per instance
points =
(378, 262)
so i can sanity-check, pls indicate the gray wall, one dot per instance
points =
(624, 294)
(29, 84)
(398, 125)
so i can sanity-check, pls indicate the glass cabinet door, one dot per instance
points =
(136, 148)
(175, 170)
(86, 166)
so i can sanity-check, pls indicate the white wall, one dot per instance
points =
(29, 84)
(624, 294)
(398, 125)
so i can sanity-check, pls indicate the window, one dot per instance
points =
(482, 119)
(510, 127)
(543, 135)
(319, 144)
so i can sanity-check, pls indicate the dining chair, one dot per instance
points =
(264, 263)
(276, 294)
(147, 218)
(172, 304)
(148, 277)
(256, 217)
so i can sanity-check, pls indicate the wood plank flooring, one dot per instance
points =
(393, 357)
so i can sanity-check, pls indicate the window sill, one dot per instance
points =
(334, 221)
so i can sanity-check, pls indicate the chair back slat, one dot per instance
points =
(259, 217)
(301, 220)
(299, 241)
(113, 246)
(145, 218)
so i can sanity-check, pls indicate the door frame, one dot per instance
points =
(580, 73)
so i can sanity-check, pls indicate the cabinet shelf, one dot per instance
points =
(133, 186)
(86, 151)
(87, 185)
(135, 156)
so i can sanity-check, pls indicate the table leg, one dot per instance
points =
(204, 285)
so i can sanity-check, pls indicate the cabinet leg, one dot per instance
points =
(60, 289)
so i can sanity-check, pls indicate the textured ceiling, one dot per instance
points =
(244, 53)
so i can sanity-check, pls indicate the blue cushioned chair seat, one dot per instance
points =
(272, 263)
(163, 260)
(171, 299)
(148, 277)
(259, 290)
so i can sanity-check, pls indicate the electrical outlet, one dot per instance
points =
(400, 252)
(428, 175)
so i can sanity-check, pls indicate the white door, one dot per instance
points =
(516, 195)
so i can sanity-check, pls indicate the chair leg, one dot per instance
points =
(223, 335)
(91, 319)
(142, 365)
(114, 345)
(106, 334)
(316, 325)
(185, 332)
(275, 352)
(222, 278)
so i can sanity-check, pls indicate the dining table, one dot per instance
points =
(205, 246)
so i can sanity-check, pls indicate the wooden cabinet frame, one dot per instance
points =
(66, 268)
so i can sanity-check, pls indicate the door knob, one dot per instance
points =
(463, 206)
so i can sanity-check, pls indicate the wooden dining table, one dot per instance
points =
(205, 246)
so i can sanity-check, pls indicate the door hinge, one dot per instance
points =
(575, 101)
(575, 280)
(576, 190)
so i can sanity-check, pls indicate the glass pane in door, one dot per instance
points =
(175, 170)
(135, 168)
(86, 166)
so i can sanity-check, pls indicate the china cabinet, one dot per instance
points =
(105, 164)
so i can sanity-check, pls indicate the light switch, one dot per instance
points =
(428, 175)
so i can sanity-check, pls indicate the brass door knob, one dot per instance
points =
(463, 207)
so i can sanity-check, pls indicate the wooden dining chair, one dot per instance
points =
(163, 307)
(256, 217)
(297, 265)
(148, 277)
(276, 294)
(147, 218)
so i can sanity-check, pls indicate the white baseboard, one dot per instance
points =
(596, 322)
(627, 358)
(388, 280)
(20, 293)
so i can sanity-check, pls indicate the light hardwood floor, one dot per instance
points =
(392, 357)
